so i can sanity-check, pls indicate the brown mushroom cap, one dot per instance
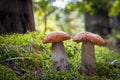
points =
(88, 36)
(56, 36)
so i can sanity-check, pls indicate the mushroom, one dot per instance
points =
(59, 58)
(88, 65)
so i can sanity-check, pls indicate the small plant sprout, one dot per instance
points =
(31, 45)
(88, 39)
(59, 58)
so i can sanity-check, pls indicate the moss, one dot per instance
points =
(7, 74)
(40, 59)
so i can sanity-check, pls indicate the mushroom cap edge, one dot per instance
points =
(56, 36)
(88, 36)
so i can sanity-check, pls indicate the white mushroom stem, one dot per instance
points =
(59, 58)
(88, 65)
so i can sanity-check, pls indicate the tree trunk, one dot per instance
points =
(45, 22)
(98, 23)
(115, 22)
(16, 16)
(116, 26)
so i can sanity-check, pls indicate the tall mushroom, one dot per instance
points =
(59, 58)
(88, 66)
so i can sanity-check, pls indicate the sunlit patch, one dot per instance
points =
(60, 3)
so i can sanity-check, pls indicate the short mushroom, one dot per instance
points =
(59, 58)
(88, 65)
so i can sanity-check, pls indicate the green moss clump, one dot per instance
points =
(39, 59)
(7, 74)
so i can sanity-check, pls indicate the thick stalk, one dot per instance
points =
(88, 66)
(59, 58)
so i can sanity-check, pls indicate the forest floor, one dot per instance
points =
(25, 57)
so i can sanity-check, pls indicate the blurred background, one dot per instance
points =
(58, 15)
(72, 16)
(98, 16)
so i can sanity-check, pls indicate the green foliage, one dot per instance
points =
(96, 6)
(38, 64)
(91, 6)
(70, 19)
(42, 9)
(115, 9)
(6, 73)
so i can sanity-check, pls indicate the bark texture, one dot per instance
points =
(98, 23)
(16, 16)
(59, 58)
(88, 66)
(115, 22)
